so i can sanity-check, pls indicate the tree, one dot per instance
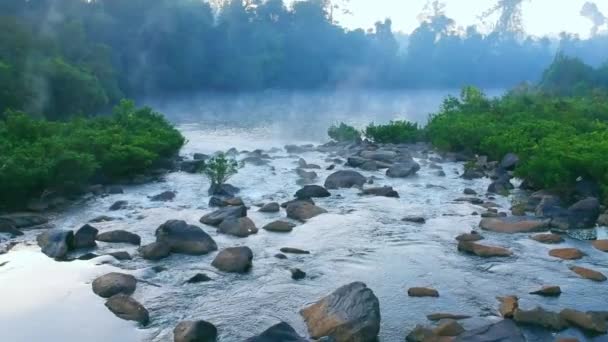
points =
(219, 169)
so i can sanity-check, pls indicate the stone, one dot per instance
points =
(128, 309)
(567, 253)
(119, 236)
(584, 321)
(219, 201)
(297, 274)
(503, 331)
(309, 176)
(548, 291)
(240, 227)
(469, 191)
(303, 211)
(234, 260)
(184, 238)
(113, 283)
(23, 220)
(192, 166)
(584, 213)
(88, 256)
(291, 250)
(199, 278)
(350, 313)
(122, 255)
(279, 226)
(85, 237)
(56, 243)
(483, 251)
(511, 226)
(549, 238)
(588, 273)
(541, 318)
(102, 218)
(344, 179)
(414, 219)
(225, 190)
(439, 316)
(312, 191)
(217, 217)
(194, 331)
(508, 306)
(119, 205)
(448, 327)
(155, 251)
(601, 245)
(421, 334)
(281, 332)
(384, 191)
(422, 292)
(272, 207)
(280, 256)
(164, 196)
(472, 236)
(403, 169)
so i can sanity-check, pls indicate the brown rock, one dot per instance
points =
(567, 339)
(602, 245)
(567, 253)
(548, 291)
(508, 306)
(483, 251)
(584, 321)
(510, 226)
(588, 273)
(128, 308)
(448, 327)
(540, 317)
(549, 238)
(472, 236)
(422, 292)
(439, 316)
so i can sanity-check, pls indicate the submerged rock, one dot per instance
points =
(302, 211)
(483, 251)
(121, 255)
(163, 196)
(297, 274)
(448, 327)
(281, 332)
(199, 278)
(291, 250)
(541, 318)
(583, 321)
(184, 238)
(119, 236)
(234, 259)
(114, 283)
(549, 238)
(567, 253)
(422, 292)
(195, 331)
(440, 316)
(403, 169)
(128, 309)
(119, 205)
(512, 226)
(56, 243)
(344, 179)
(414, 219)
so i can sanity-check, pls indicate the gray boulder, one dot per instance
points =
(184, 238)
(302, 210)
(85, 237)
(584, 213)
(225, 190)
(56, 243)
(311, 191)
(279, 226)
(240, 227)
(163, 196)
(128, 309)
(217, 217)
(195, 331)
(503, 331)
(192, 166)
(119, 205)
(272, 207)
(119, 236)
(234, 260)
(281, 332)
(403, 169)
(344, 179)
(385, 191)
(113, 283)
(155, 251)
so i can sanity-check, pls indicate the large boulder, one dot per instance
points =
(403, 169)
(119, 236)
(350, 313)
(195, 331)
(584, 321)
(217, 217)
(503, 331)
(310, 191)
(281, 332)
(512, 225)
(385, 191)
(240, 227)
(85, 237)
(584, 213)
(483, 251)
(155, 251)
(302, 211)
(234, 259)
(56, 243)
(344, 179)
(225, 190)
(114, 283)
(541, 318)
(128, 309)
(192, 166)
(184, 238)
(501, 185)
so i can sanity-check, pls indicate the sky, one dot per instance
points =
(541, 17)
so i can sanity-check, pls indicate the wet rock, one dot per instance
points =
(440, 316)
(448, 327)
(114, 283)
(302, 211)
(584, 214)
(119, 205)
(380, 155)
(602, 220)
(583, 321)
(286, 204)
(128, 309)
(500, 186)
(472, 200)
(421, 334)
(414, 219)
(469, 191)
(280, 256)
(163, 196)
(403, 169)
(199, 278)
(219, 201)
(508, 306)
(281, 332)
(330, 167)
(422, 292)
(119, 236)
(351, 313)
(440, 173)
(217, 217)
(102, 218)
(234, 259)
(85, 237)
(279, 226)
(88, 256)
(56, 243)
(601, 245)
(547, 238)
(297, 274)
(503, 331)
(122, 255)
(291, 250)
(195, 331)
(472, 236)
(344, 179)
(548, 291)
(225, 190)
(512, 226)
(567, 253)
(541, 318)
(272, 207)
(184, 238)
(200, 156)
(588, 273)
(384, 191)
(308, 176)
(9, 228)
(155, 251)
(240, 227)
(312, 191)
(23, 220)
(192, 166)
(355, 161)
(483, 251)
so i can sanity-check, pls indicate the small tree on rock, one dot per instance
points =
(219, 169)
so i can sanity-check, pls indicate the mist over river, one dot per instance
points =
(359, 239)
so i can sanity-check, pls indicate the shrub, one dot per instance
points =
(220, 168)
(343, 132)
(395, 132)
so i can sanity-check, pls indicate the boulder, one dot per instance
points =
(548, 291)
(509, 161)
(384, 191)
(192, 166)
(240, 227)
(421, 334)
(286, 204)
(483, 251)
(511, 226)
(302, 211)
(439, 316)
(472, 236)
(422, 292)
(121, 255)
(344, 179)
(351, 313)
(403, 169)
(508, 306)
(584, 321)
(567, 253)
(119, 205)
(448, 327)
(119, 236)
(280, 256)
(500, 186)
(184, 238)
(155, 251)
(279, 226)
(272, 207)
(253, 160)
(102, 218)
(472, 200)
(470, 192)
(85, 237)
(113, 283)
(281, 332)
(503, 331)
(56, 243)
(128, 309)
(541, 318)
(601, 245)
(379, 155)
(234, 260)
(200, 156)
(312, 191)
(588, 273)
(414, 219)
(199, 278)
(195, 331)
(88, 256)
(291, 250)
(297, 274)
(220, 201)
(549, 238)
(225, 190)
(163, 196)
(309, 176)
(217, 217)
(584, 213)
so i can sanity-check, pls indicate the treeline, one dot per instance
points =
(60, 58)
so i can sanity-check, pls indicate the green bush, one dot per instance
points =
(38, 155)
(395, 132)
(220, 168)
(343, 132)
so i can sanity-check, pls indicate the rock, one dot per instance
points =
(290, 250)
(281, 332)
(199, 278)
(511, 226)
(421, 334)
(122, 255)
(119, 205)
(344, 179)
(567, 253)
(422, 292)
(240, 227)
(56, 243)
(217, 217)
(219, 201)
(200, 156)
(184, 238)
(403, 169)
(234, 259)
(88, 256)
(155, 251)
(311, 191)
(119, 236)
(472, 236)
(280, 256)
(163, 196)
(85, 237)
(297, 274)
(549, 238)
(518, 210)
(355, 161)
(102, 218)
(472, 200)
(508, 306)
(448, 327)
(414, 219)
(9, 228)
(584, 321)
(503, 331)
(286, 204)
(500, 186)
(302, 211)
(279, 226)
(540, 317)
(601, 245)
(195, 331)
(384, 191)
(548, 291)
(257, 161)
(192, 166)
(469, 191)
(272, 207)
(509, 161)
(225, 190)
(299, 149)
(602, 220)
(113, 283)
(584, 213)
(588, 273)
(309, 176)
(440, 316)
(24, 220)
(379, 155)
(351, 313)
(331, 167)
(128, 309)
(483, 251)
(472, 173)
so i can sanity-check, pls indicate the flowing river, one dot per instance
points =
(360, 239)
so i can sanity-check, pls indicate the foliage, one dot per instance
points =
(343, 132)
(395, 132)
(38, 155)
(220, 168)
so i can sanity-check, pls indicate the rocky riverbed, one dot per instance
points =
(162, 256)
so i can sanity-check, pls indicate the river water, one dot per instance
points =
(360, 239)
